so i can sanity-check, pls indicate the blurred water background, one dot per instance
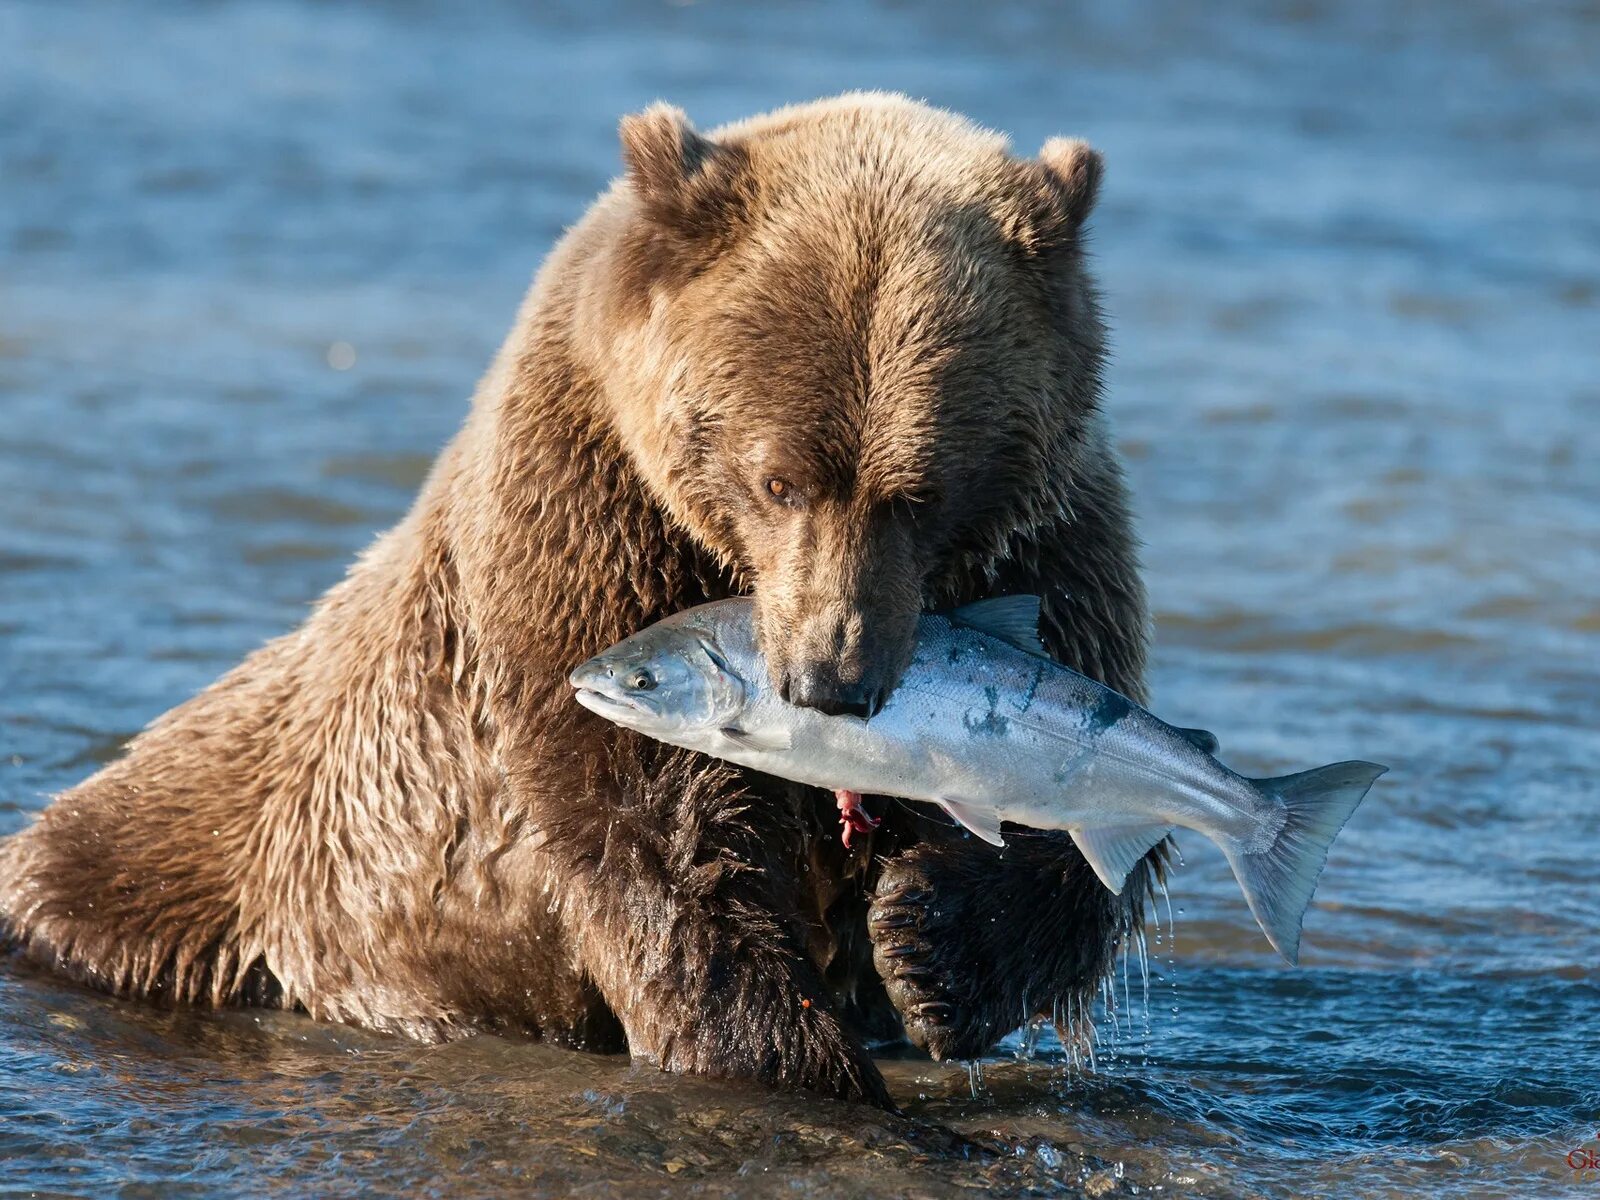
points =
(254, 255)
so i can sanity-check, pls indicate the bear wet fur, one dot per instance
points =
(396, 816)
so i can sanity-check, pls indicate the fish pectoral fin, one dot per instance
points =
(1012, 619)
(1114, 850)
(778, 739)
(982, 821)
(1202, 740)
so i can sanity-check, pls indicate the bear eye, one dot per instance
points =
(641, 680)
(782, 491)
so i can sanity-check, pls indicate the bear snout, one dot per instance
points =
(842, 661)
(818, 687)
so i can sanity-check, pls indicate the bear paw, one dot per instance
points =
(938, 952)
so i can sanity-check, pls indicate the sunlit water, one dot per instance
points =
(1352, 254)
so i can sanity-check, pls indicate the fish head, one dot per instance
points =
(670, 682)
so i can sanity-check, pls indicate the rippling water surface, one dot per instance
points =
(253, 256)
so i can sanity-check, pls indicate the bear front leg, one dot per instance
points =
(680, 892)
(973, 941)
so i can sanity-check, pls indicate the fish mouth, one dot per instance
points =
(610, 707)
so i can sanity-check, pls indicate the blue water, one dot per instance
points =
(253, 257)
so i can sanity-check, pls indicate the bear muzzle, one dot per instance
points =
(843, 661)
(819, 687)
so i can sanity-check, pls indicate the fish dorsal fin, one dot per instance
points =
(982, 821)
(769, 741)
(1202, 740)
(1114, 850)
(1012, 619)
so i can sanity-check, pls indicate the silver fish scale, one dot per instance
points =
(996, 724)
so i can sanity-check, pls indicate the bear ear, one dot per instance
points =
(682, 178)
(1076, 169)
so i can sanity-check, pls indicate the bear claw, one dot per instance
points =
(896, 920)
(904, 895)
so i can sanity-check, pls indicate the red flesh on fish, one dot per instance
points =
(853, 816)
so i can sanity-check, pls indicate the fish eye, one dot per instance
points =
(641, 680)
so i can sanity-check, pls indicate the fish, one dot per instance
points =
(986, 725)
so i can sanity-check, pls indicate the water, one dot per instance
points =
(1352, 254)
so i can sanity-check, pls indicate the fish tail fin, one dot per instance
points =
(1278, 881)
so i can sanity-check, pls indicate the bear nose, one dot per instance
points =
(819, 690)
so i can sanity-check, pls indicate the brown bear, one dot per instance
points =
(846, 357)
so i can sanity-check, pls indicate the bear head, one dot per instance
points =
(854, 348)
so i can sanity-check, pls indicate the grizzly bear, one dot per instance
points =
(845, 357)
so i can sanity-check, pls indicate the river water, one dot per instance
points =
(253, 256)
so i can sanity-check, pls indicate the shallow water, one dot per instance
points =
(253, 257)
